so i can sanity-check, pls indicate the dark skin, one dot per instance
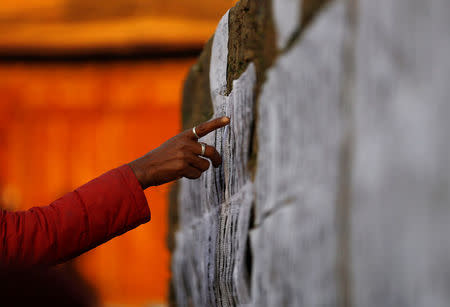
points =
(179, 157)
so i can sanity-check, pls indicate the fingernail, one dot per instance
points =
(225, 119)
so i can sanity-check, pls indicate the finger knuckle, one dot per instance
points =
(181, 144)
(181, 155)
(180, 165)
(209, 153)
(200, 128)
(205, 165)
(185, 146)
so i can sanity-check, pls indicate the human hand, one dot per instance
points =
(180, 156)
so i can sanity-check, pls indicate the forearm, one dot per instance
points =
(81, 220)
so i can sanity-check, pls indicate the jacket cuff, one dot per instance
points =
(137, 192)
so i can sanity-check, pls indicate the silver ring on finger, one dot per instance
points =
(195, 133)
(203, 148)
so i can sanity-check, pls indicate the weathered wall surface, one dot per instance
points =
(334, 189)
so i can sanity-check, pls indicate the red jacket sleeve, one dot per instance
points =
(79, 221)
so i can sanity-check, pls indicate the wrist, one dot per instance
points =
(139, 172)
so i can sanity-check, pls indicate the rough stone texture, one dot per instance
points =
(251, 40)
(197, 103)
(334, 189)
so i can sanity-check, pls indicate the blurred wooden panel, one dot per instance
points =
(71, 26)
(64, 124)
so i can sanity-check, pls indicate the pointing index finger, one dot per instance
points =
(208, 127)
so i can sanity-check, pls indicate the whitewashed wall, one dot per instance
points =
(349, 204)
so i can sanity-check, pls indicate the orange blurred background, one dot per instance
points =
(67, 114)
